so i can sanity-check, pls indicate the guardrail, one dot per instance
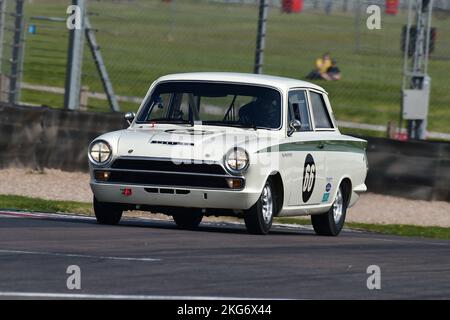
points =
(41, 137)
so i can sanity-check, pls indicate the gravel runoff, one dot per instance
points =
(371, 208)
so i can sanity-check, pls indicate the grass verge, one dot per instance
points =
(35, 204)
(392, 229)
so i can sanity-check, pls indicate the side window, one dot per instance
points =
(321, 117)
(298, 109)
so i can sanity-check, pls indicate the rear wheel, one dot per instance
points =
(188, 218)
(258, 219)
(331, 223)
(107, 213)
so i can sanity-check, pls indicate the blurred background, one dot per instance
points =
(141, 40)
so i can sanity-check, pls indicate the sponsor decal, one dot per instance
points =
(326, 195)
(309, 178)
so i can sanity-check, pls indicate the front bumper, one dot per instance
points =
(172, 196)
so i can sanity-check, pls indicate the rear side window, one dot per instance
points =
(322, 119)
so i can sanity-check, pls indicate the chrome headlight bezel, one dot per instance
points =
(237, 155)
(107, 150)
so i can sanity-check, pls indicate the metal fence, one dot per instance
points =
(141, 40)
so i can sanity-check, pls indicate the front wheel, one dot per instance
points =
(107, 213)
(258, 219)
(188, 218)
(331, 223)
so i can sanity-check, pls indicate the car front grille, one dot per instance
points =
(164, 179)
(167, 165)
(151, 172)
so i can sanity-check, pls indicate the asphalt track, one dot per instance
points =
(143, 258)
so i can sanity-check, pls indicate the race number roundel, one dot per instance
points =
(309, 178)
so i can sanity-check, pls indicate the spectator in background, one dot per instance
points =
(333, 73)
(322, 66)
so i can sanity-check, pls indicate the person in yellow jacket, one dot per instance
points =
(322, 66)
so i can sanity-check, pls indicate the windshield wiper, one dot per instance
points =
(236, 125)
(168, 121)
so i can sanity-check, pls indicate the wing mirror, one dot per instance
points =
(294, 125)
(129, 116)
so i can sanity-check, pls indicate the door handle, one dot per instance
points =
(320, 145)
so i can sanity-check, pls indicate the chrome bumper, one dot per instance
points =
(152, 195)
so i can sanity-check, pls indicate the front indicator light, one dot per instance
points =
(102, 175)
(235, 183)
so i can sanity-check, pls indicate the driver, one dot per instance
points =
(262, 112)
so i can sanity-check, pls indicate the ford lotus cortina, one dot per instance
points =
(227, 144)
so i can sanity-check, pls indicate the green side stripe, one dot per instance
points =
(329, 145)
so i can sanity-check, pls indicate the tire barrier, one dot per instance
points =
(41, 137)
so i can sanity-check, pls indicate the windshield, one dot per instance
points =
(213, 104)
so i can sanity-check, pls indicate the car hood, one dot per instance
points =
(187, 143)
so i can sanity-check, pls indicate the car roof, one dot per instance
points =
(248, 78)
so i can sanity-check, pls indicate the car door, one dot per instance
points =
(306, 165)
(326, 134)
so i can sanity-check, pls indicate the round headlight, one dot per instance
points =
(237, 160)
(100, 152)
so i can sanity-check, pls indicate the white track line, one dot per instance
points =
(114, 296)
(412, 241)
(70, 255)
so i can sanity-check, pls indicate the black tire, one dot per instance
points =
(188, 219)
(254, 218)
(107, 213)
(325, 224)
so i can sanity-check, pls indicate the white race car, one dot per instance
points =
(229, 144)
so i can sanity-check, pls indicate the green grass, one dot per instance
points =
(392, 229)
(149, 38)
(35, 204)
(403, 230)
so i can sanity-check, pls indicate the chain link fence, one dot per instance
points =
(141, 40)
